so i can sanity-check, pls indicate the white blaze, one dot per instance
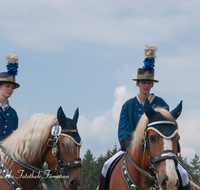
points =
(170, 165)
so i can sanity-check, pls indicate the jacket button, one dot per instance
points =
(139, 115)
(4, 132)
(140, 109)
(5, 126)
(6, 120)
(7, 114)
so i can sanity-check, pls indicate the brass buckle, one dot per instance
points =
(48, 143)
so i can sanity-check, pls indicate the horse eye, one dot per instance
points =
(153, 138)
(63, 145)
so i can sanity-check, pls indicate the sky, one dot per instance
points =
(84, 53)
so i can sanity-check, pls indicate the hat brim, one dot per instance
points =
(14, 83)
(145, 80)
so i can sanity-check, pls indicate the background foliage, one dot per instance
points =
(91, 168)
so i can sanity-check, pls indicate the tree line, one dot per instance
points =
(91, 168)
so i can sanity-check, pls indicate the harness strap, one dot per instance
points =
(61, 164)
(10, 179)
(130, 183)
(64, 165)
(24, 164)
(166, 154)
(147, 174)
(48, 147)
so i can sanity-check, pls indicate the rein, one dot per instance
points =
(130, 183)
(8, 176)
(24, 164)
(145, 173)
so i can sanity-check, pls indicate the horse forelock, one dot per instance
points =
(140, 129)
(27, 141)
(68, 144)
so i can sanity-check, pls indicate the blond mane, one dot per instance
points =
(27, 141)
(140, 129)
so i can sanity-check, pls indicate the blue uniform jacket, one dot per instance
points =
(131, 112)
(8, 121)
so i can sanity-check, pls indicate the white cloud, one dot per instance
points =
(53, 25)
(189, 131)
(101, 133)
(188, 153)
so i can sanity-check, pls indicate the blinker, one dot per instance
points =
(167, 131)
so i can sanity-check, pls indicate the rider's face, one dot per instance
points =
(145, 86)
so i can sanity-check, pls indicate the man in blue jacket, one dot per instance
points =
(8, 116)
(133, 109)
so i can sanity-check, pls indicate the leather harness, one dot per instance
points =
(59, 170)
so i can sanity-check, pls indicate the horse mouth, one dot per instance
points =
(70, 185)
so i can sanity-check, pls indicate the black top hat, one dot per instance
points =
(12, 66)
(147, 71)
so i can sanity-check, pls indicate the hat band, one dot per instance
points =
(145, 76)
(10, 78)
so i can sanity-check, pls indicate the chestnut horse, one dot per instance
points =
(53, 139)
(151, 161)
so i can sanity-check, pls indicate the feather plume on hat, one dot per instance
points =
(149, 54)
(12, 63)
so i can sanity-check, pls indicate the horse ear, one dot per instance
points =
(149, 111)
(177, 111)
(61, 116)
(76, 114)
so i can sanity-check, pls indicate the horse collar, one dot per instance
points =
(130, 183)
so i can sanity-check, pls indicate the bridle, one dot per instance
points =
(166, 154)
(53, 143)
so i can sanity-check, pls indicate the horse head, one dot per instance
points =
(161, 142)
(63, 159)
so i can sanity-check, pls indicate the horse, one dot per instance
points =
(49, 138)
(151, 161)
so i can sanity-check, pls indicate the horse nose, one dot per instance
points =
(75, 184)
(167, 185)
(164, 183)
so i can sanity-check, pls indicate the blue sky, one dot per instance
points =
(85, 53)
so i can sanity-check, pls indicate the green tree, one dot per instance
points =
(99, 164)
(88, 171)
(56, 182)
(184, 162)
(195, 166)
(114, 150)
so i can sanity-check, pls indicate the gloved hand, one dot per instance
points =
(125, 144)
